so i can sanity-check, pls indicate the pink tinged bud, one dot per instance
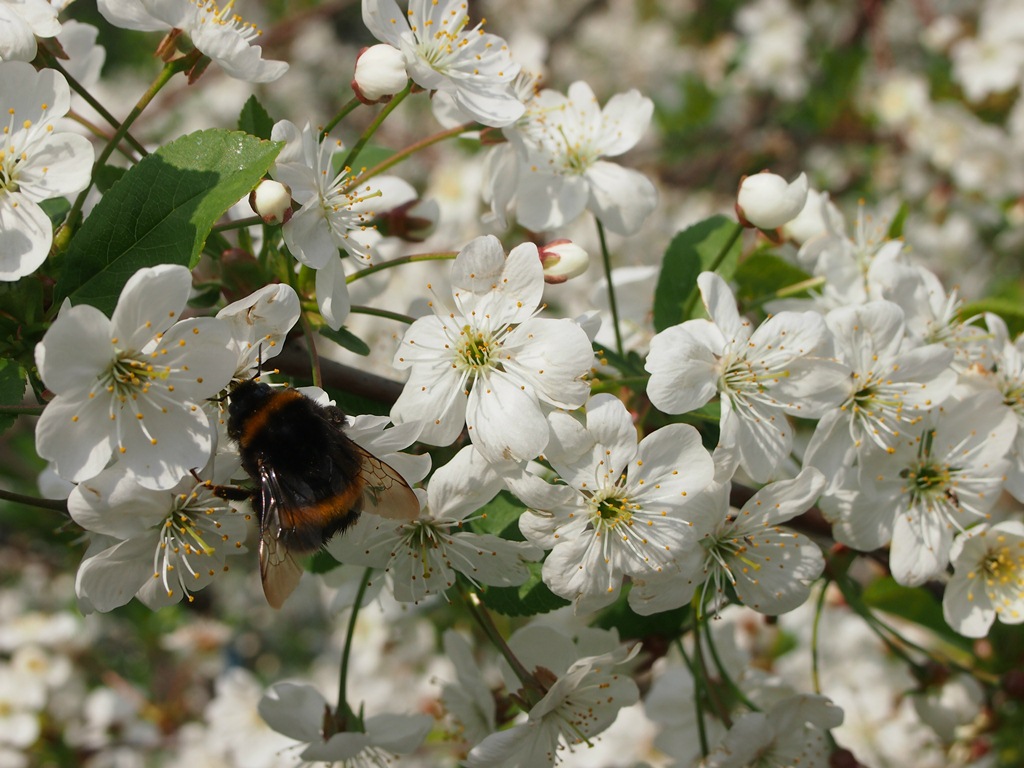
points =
(413, 221)
(272, 201)
(767, 201)
(563, 259)
(380, 74)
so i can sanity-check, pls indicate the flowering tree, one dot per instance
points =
(748, 496)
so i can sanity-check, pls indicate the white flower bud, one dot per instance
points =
(767, 201)
(563, 259)
(380, 73)
(956, 703)
(272, 201)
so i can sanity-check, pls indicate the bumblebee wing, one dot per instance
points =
(385, 492)
(279, 572)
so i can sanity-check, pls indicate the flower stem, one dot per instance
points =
(359, 309)
(372, 128)
(77, 87)
(248, 221)
(483, 618)
(723, 672)
(314, 357)
(170, 69)
(401, 155)
(440, 256)
(715, 264)
(698, 653)
(819, 610)
(344, 112)
(57, 505)
(343, 710)
(698, 703)
(612, 303)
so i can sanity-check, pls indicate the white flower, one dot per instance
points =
(442, 53)
(488, 362)
(37, 162)
(380, 73)
(301, 713)
(781, 367)
(468, 699)
(951, 703)
(552, 169)
(623, 509)
(331, 215)
(155, 545)
(259, 324)
(21, 22)
(236, 729)
(85, 57)
(422, 555)
(770, 568)
(790, 733)
(768, 201)
(580, 703)
(817, 218)
(21, 700)
(941, 477)
(988, 579)
(890, 389)
(132, 387)
(219, 33)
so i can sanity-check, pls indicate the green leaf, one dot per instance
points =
(528, 599)
(107, 176)
(368, 157)
(343, 337)
(692, 251)
(254, 119)
(619, 616)
(1012, 312)
(763, 276)
(915, 604)
(500, 517)
(12, 389)
(321, 562)
(161, 212)
(896, 225)
(630, 364)
(56, 209)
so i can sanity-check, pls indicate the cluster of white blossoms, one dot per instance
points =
(732, 459)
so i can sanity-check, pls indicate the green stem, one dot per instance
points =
(170, 70)
(698, 703)
(612, 303)
(715, 264)
(612, 385)
(344, 112)
(56, 505)
(698, 652)
(21, 410)
(790, 290)
(361, 310)
(249, 221)
(819, 609)
(440, 256)
(314, 357)
(483, 618)
(401, 155)
(723, 673)
(77, 87)
(343, 710)
(372, 128)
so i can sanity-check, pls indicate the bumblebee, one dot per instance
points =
(311, 480)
